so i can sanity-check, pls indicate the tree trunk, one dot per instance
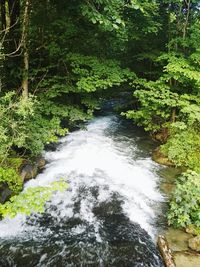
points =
(26, 17)
(186, 19)
(165, 252)
(25, 74)
(3, 15)
(173, 117)
(14, 11)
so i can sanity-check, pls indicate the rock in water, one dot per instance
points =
(194, 243)
(40, 162)
(28, 172)
(160, 158)
(5, 193)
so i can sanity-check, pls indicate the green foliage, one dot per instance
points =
(12, 162)
(10, 177)
(31, 200)
(180, 113)
(185, 204)
(156, 105)
(79, 49)
(22, 124)
(183, 147)
(181, 69)
(92, 74)
(106, 13)
(110, 15)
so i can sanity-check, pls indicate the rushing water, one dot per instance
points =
(108, 217)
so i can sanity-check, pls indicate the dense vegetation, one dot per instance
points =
(185, 205)
(60, 59)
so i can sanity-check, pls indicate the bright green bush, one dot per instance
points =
(23, 124)
(183, 147)
(155, 102)
(185, 204)
(177, 115)
(31, 200)
(10, 177)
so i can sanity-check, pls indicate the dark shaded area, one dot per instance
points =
(122, 243)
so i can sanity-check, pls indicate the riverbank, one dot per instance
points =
(122, 147)
(177, 239)
(108, 215)
(178, 243)
(23, 169)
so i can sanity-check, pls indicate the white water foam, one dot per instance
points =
(89, 158)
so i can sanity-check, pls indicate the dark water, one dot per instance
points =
(111, 214)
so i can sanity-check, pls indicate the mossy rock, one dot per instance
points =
(15, 163)
(177, 239)
(186, 259)
(194, 243)
(5, 193)
(40, 162)
(160, 158)
(10, 183)
(191, 229)
(167, 188)
(29, 171)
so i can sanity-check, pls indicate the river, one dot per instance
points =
(109, 216)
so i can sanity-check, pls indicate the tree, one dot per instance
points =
(24, 47)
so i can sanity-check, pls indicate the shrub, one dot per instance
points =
(31, 200)
(10, 177)
(185, 204)
(182, 148)
(23, 124)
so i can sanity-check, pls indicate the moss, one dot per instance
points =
(9, 177)
(160, 158)
(192, 229)
(15, 163)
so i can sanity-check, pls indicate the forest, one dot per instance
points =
(60, 60)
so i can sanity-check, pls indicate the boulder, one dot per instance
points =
(5, 193)
(194, 243)
(40, 162)
(28, 172)
(187, 259)
(26, 169)
(160, 158)
(177, 239)
(191, 229)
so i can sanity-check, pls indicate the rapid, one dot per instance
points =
(109, 216)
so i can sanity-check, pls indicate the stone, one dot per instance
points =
(187, 259)
(158, 157)
(167, 188)
(191, 229)
(40, 162)
(194, 243)
(28, 172)
(177, 239)
(5, 193)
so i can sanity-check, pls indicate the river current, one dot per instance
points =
(109, 216)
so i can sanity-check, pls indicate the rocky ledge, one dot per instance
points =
(160, 158)
(26, 169)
